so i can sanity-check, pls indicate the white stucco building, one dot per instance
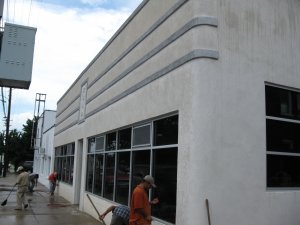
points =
(202, 94)
(43, 147)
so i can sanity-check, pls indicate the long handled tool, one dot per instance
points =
(208, 213)
(5, 201)
(95, 209)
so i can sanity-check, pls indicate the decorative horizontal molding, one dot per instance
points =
(196, 54)
(153, 27)
(199, 21)
(171, 11)
(199, 53)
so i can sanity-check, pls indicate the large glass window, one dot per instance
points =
(124, 139)
(90, 173)
(141, 135)
(122, 182)
(140, 166)
(130, 154)
(111, 141)
(165, 173)
(64, 162)
(109, 175)
(283, 137)
(98, 174)
(166, 131)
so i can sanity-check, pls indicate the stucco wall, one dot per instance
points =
(258, 43)
(209, 61)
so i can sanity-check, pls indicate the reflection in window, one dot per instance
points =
(111, 141)
(165, 131)
(109, 173)
(64, 162)
(92, 145)
(100, 143)
(124, 139)
(282, 103)
(122, 182)
(140, 166)
(98, 174)
(283, 136)
(89, 173)
(141, 135)
(283, 171)
(129, 155)
(165, 173)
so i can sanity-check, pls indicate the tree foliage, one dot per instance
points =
(19, 147)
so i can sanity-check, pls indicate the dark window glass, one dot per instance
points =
(90, 173)
(71, 169)
(141, 135)
(165, 131)
(298, 105)
(283, 171)
(69, 149)
(111, 141)
(98, 174)
(99, 144)
(140, 166)
(165, 174)
(122, 185)
(282, 103)
(109, 175)
(283, 136)
(67, 169)
(64, 150)
(124, 139)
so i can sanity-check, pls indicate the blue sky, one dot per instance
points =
(69, 35)
(106, 4)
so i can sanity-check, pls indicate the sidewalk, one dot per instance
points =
(42, 210)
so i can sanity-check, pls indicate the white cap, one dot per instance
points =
(20, 168)
(150, 180)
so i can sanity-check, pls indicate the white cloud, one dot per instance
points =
(67, 39)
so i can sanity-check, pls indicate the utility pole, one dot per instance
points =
(7, 134)
(39, 99)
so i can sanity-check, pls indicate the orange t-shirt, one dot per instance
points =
(139, 200)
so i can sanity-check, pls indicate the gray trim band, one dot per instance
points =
(129, 49)
(199, 21)
(199, 53)
(210, 21)
(172, 10)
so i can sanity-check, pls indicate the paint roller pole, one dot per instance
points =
(95, 208)
(207, 209)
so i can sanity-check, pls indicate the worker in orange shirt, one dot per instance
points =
(140, 207)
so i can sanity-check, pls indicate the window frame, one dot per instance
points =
(149, 148)
(281, 118)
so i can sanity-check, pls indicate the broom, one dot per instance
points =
(5, 201)
(95, 209)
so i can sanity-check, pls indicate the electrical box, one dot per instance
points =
(16, 56)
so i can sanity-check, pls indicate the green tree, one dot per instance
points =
(19, 148)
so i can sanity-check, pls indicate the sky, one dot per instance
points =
(69, 35)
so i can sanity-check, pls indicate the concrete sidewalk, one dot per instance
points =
(43, 209)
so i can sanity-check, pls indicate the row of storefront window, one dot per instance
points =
(117, 162)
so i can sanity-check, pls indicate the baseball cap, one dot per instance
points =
(150, 180)
(20, 168)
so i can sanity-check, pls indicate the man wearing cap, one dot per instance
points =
(140, 207)
(22, 184)
(120, 215)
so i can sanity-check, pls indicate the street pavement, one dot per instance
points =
(43, 209)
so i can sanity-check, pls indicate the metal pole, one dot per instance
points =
(7, 135)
